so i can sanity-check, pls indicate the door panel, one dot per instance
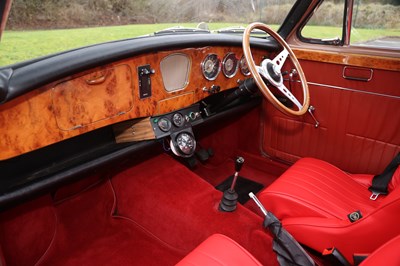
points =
(359, 120)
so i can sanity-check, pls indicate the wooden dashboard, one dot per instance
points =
(103, 96)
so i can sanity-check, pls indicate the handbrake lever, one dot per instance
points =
(259, 204)
(289, 251)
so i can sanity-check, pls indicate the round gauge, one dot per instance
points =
(230, 65)
(178, 119)
(164, 124)
(244, 68)
(186, 143)
(211, 66)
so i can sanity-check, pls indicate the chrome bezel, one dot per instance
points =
(241, 69)
(181, 116)
(168, 122)
(177, 150)
(219, 67)
(236, 65)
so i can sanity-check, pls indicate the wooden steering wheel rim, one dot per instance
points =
(258, 79)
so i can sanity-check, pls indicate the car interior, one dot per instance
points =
(144, 151)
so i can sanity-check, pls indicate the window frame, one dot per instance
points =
(346, 27)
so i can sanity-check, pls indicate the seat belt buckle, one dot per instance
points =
(335, 257)
(374, 195)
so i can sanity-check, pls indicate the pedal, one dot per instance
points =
(210, 152)
(203, 155)
(191, 162)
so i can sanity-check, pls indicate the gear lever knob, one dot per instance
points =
(239, 163)
(238, 166)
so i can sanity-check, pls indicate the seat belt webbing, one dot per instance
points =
(380, 182)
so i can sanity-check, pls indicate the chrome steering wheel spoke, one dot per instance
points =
(282, 88)
(262, 70)
(280, 59)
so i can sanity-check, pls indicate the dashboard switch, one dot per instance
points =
(194, 115)
(144, 73)
(213, 89)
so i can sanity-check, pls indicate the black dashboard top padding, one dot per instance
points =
(5, 76)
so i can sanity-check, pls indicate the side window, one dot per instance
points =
(376, 24)
(326, 24)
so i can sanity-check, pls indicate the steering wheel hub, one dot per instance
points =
(274, 72)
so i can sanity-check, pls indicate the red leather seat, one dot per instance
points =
(219, 250)
(387, 255)
(313, 199)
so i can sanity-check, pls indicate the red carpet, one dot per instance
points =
(153, 213)
(87, 234)
(181, 209)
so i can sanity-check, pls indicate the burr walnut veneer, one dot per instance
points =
(100, 97)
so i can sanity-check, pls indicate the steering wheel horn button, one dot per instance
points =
(274, 72)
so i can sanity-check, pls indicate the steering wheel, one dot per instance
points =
(271, 71)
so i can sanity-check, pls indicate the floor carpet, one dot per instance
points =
(181, 209)
(153, 213)
(90, 233)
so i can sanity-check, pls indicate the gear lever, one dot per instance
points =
(229, 200)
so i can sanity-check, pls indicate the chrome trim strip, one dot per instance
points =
(353, 90)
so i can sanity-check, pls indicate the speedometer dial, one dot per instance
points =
(230, 65)
(211, 66)
(186, 143)
(244, 68)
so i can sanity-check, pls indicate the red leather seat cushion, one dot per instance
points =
(387, 255)
(314, 188)
(219, 250)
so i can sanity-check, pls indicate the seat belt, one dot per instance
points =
(380, 182)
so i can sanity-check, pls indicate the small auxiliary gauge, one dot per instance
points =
(178, 119)
(211, 66)
(164, 124)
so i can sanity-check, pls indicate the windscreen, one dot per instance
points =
(41, 27)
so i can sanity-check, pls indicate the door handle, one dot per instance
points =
(357, 73)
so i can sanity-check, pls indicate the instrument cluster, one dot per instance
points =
(177, 126)
(212, 65)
